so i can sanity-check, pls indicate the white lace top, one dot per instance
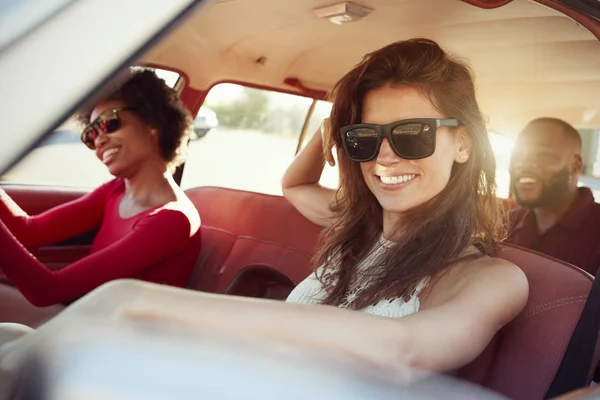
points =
(310, 291)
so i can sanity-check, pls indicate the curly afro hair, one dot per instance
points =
(159, 106)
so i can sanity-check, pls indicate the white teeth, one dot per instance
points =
(527, 179)
(391, 180)
(109, 153)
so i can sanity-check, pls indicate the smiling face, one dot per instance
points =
(133, 146)
(545, 165)
(399, 184)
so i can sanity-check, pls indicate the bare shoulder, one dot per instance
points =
(489, 272)
(486, 279)
(488, 265)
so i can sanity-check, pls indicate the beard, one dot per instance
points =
(554, 190)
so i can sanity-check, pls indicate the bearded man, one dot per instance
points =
(555, 216)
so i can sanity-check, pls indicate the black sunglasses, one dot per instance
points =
(411, 139)
(107, 122)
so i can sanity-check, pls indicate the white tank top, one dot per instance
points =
(310, 291)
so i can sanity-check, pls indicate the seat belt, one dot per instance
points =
(576, 364)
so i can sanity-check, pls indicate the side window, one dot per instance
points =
(171, 78)
(244, 138)
(502, 146)
(330, 176)
(61, 159)
(590, 152)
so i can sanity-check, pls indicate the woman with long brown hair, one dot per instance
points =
(415, 219)
(409, 235)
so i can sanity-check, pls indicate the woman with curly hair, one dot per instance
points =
(146, 226)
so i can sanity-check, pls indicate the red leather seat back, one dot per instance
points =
(261, 281)
(258, 245)
(524, 356)
(241, 229)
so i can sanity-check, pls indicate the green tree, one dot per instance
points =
(249, 111)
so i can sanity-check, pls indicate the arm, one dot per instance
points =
(456, 328)
(154, 239)
(446, 336)
(57, 224)
(300, 184)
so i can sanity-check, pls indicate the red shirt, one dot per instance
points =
(158, 245)
(575, 238)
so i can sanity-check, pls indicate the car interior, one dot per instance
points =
(530, 59)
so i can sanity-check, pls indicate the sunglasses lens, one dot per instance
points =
(110, 125)
(361, 143)
(413, 141)
(89, 136)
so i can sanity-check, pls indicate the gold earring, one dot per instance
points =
(463, 157)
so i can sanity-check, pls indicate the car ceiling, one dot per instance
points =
(529, 60)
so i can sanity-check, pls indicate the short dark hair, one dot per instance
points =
(570, 132)
(159, 106)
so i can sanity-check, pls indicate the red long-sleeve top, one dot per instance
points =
(158, 245)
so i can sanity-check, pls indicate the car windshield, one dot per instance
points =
(230, 228)
(17, 17)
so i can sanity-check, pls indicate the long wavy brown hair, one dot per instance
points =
(434, 235)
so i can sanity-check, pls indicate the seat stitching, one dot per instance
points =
(559, 301)
(548, 307)
(259, 240)
(543, 307)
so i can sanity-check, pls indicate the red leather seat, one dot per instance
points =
(242, 230)
(523, 358)
(258, 245)
(252, 245)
